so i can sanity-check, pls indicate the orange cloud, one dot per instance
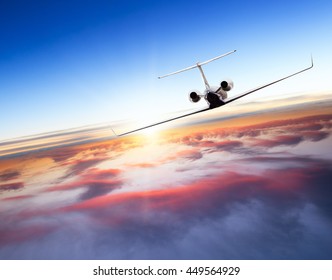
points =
(143, 165)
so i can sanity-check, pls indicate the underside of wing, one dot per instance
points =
(269, 84)
(165, 121)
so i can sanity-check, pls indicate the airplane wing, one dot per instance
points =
(271, 83)
(172, 119)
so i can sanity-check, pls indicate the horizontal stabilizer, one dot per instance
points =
(197, 64)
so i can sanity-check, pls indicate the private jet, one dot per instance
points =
(215, 96)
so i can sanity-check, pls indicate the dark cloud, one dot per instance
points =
(100, 174)
(99, 188)
(94, 181)
(9, 175)
(228, 146)
(308, 127)
(79, 166)
(11, 187)
(280, 140)
(61, 154)
(192, 155)
(315, 136)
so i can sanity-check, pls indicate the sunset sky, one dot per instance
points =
(68, 64)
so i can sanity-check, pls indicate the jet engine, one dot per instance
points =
(194, 96)
(226, 85)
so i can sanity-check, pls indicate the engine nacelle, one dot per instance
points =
(227, 85)
(194, 96)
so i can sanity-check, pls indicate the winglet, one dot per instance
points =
(114, 132)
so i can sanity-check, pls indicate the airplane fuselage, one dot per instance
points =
(213, 99)
(215, 96)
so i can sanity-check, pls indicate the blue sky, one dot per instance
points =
(72, 63)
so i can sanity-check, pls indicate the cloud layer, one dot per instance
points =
(257, 191)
